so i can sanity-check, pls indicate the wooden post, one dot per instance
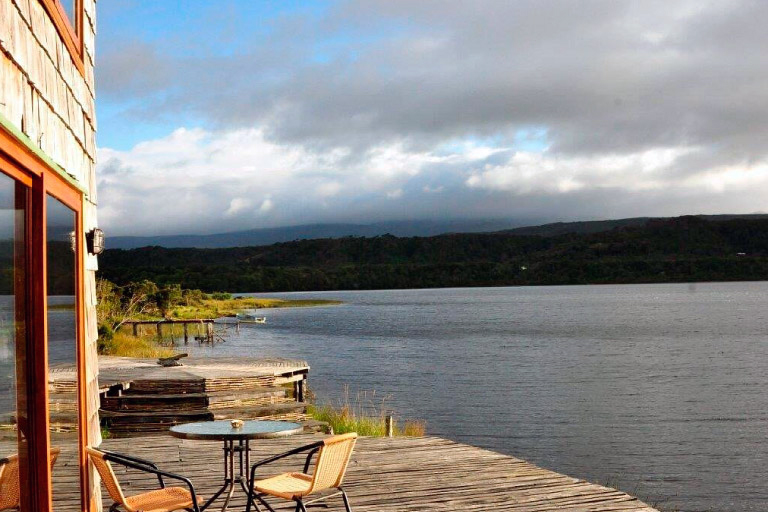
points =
(300, 389)
(389, 426)
(186, 334)
(209, 328)
(159, 331)
(135, 330)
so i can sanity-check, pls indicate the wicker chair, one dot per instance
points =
(9, 480)
(165, 499)
(332, 459)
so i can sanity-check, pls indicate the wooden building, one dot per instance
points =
(48, 243)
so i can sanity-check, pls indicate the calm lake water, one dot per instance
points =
(660, 390)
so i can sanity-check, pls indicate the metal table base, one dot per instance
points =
(241, 451)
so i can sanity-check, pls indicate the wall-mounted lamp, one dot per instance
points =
(94, 239)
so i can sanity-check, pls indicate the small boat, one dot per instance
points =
(246, 318)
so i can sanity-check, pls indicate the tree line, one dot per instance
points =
(669, 250)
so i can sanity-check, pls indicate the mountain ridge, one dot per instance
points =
(268, 236)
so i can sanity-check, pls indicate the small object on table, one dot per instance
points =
(237, 423)
(236, 441)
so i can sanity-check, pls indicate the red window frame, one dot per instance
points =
(40, 180)
(71, 31)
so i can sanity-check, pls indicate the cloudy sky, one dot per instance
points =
(235, 114)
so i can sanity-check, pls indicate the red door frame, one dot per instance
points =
(21, 164)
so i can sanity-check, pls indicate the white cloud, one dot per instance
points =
(266, 205)
(529, 172)
(202, 181)
(237, 206)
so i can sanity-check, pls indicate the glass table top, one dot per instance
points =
(223, 430)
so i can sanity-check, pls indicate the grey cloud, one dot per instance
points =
(602, 78)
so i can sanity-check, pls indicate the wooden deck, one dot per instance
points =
(385, 475)
(401, 474)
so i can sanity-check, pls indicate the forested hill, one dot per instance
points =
(679, 249)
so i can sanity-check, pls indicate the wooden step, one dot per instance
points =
(200, 385)
(190, 401)
(166, 386)
(160, 418)
(155, 403)
(125, 422)
(251, 413)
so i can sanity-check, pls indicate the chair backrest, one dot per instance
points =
(9, 483)
(10, 496)
(107, 475)
(332, 461)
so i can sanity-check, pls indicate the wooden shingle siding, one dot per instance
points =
(46, 97)
(45, 65)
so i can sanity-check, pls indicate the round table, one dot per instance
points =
(236, 441)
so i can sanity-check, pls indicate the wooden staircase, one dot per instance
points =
(137, 396)
(144, 409)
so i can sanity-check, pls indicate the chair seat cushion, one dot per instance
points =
(162, 500)
(287, 485)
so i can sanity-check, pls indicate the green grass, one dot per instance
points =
(216, 308)
(364, 416)
(123, 344)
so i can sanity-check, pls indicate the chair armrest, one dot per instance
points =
(131, 458)
(314, 447)
(118, 458)
(134, 463)
(160, 474)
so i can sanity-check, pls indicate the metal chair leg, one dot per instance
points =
(263, 502)
(300, 506)
(251, 502)
(346, 500)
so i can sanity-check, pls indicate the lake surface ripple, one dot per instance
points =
(659, 390)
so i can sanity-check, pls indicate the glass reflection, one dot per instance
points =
(12, 341)
(70, 7)
(62, 355)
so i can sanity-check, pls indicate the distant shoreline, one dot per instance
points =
(685, 249)
(218, 308)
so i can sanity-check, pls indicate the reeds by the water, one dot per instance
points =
(366, 415)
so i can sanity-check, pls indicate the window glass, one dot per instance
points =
(62, 355)
(12, 341)
(69, 8)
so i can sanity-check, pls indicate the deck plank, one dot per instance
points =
(385, 475)
(402, 474)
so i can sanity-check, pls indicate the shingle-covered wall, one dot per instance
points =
(46, 97)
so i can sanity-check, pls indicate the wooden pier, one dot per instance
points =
(388, 475)
(205, 324)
